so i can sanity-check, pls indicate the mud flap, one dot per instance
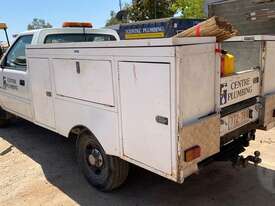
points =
(204, 133)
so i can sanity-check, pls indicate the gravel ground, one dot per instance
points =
(37, 167)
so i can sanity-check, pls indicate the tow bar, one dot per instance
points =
(241, 161)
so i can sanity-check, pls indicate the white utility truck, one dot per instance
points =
(160, 104)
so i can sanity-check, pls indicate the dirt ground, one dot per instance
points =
(37, 167)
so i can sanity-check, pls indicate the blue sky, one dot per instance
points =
(18, 14)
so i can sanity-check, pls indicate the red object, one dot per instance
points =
(218, 50)
(192, 153)
(198, 31)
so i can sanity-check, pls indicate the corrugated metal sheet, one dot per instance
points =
(208, 2)
(248, 16)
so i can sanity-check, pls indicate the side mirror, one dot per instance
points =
(20, 61)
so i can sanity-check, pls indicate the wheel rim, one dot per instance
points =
(94, 159)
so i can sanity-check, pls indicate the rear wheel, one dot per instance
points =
(4, 123)
(104, 172)
(5, 118)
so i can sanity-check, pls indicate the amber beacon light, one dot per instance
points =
(78, 24)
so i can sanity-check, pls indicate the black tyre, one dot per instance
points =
(104, 172)
(4, 122)
(5, 118)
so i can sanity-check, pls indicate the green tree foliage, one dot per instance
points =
(141, 10)
(189, 8)
(113, 20)
(150, 9)
(39, 24)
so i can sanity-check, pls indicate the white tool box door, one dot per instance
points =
(86, 80)
(145, 105)
(42, 91)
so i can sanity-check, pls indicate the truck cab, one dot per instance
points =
(14, 75)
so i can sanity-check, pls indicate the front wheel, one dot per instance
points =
(104, 172)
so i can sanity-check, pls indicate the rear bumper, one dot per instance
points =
(211, 136)
(204, 133)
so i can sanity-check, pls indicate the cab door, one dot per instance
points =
(15, 91)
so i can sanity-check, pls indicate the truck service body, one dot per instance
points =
(160, 103)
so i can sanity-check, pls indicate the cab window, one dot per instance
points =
(16, 58)
(67, 38)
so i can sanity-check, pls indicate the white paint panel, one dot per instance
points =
(269, 72)
(16, 92)
(40, 86)
(197, 81)
(130, 43)
(251, 38)
(239, 87)
(145, 94)
(102, 123)
(93, 82)
(12, 84)
(16, 106)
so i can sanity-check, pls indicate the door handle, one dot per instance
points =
(162, 120)
(4, 82)
(48, 94)
(22, 82)
(77, 64)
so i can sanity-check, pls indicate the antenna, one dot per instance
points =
(120, 5)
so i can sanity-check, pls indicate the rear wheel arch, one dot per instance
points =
(76, 131)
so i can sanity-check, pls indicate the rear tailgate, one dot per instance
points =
(238, 100)
(257, 52)
(239, 87)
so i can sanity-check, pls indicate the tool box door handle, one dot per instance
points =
(162, 120)
(48, 94)
(77, 64)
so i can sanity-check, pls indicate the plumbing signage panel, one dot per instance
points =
(239, 87)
